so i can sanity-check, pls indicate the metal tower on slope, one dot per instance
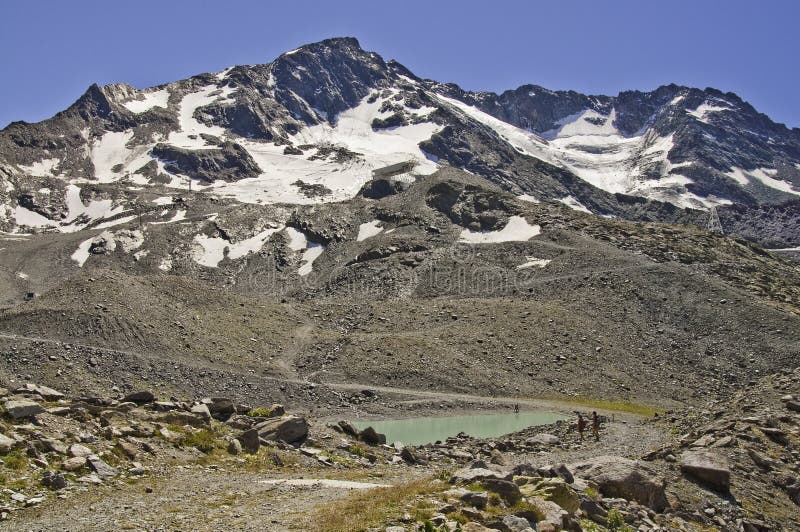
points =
(714, 224)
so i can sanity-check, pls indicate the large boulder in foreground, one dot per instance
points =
(289, 429)
(707, 468)
(22, 408)
(616, 476)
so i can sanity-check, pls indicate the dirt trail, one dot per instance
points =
(190, 498)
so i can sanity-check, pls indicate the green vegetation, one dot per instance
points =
(203, 440)
(15, 460)
(616, 521)
(261, 411)
(592, 493)
(369, 508)
(496, 508)
(618, 406)
(358, 450)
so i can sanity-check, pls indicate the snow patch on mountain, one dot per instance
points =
(190, 128)
(516, 230)
(706, 108)
(159, 98)
(590, 145)
(368, 230)
(113, 158)
(311, 250)
(533, 261)
(574, 204)
(43, 168)
(352, 130)
(95, 210)
(23, 216)
(528, 198)
(524, 141)
(765, 176)
(586, 123)
(81, 255)
(210, 251)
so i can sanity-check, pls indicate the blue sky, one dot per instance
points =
(53, 50)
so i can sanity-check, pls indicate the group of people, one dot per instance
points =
(595, 426)
(581, 424)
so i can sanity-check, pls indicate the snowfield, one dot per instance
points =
(150, 99)
(589, 145)
(765, 176)
(369, 229)
(516, 230)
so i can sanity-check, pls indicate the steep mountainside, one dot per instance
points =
(311, 126)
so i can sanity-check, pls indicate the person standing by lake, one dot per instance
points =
(595, 426)
(581, 425)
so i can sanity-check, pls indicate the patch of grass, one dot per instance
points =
(263, 459)
(458, 517)
(15, 460)
(476, 487)
(592, 493)
(496, 509)
(444, 475)
(261, 411)
(617, 406)
(203, 440)
(358, 450)
(591, 526)
(369, 508)
(616, 521)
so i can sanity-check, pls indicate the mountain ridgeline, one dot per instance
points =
(666, 155)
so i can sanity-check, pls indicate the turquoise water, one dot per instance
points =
(422, 430)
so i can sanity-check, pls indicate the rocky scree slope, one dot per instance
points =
(451, 284)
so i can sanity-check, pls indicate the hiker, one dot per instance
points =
(595, 426)
(581, 425)
(516, 409)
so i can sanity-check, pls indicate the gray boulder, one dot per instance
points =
(348, 428)
(221, 408)
(469, 475)
(250, 441)
(6, 443)
(512, 523)
(289, 429)
(234, 447)
(102, 469)
(505, 488)
(73, 464)
(372, 437)
(48, 394)
(708, 469)
(54, 480)
(140, 398)
(557, 470)
(21, 408)
(202, 411)
(478, 499)
(616, 476)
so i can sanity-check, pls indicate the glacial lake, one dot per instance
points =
(422, 430)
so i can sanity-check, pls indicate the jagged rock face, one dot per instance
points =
(312, 125)
(228, 162)
(332, 75)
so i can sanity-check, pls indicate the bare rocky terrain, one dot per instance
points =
(204, 284)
